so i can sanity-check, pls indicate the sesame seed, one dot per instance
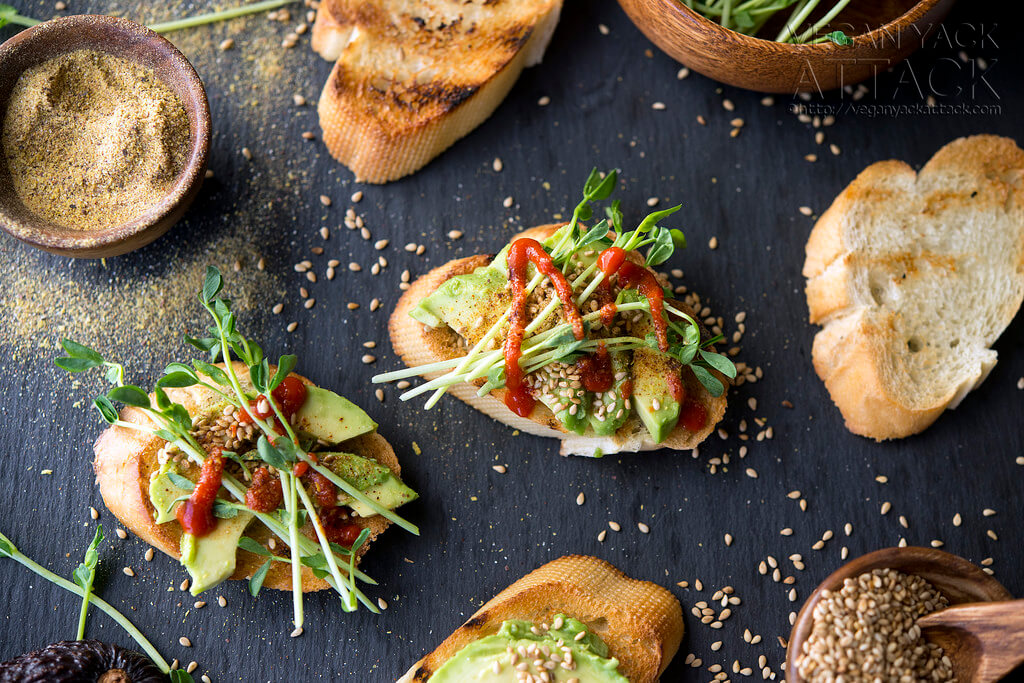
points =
(298, 100)
(848, 528)
(380, 245)
(682, 73)
(292, 326)
(183, 586)
(713, 243)
(226, 44)
(728, 539)
(602, 535)
(247, 153)
(793, 495)
(357, 196)
(728, 105)
(369, 359)
(604, 30)
(222, 601)
(192, 666)
(381, 603)
(352, 305)
(206, 679)
(811, 157)
(128, 571)
(806, 210)
(379, 393)
(652, 201)
(957, 520)
(309, 303)
(122, 534)
(988, 512)
(701, 120)
(991, 534)
(786, 532)
(544, 101)
(580, 499)
(886, 506)
(94, 513)
(937, 543)
(199, 604)
(834, 148)
(497, 165)
(149, 555)
(767, 101)
(614, 526)
(325, 200)
(308, 135)
(644, 529)
(296, 633)
(698, 585)
(184, 642)
(658, 106)
(374, 304)
(500, 469)
(355, 267)
(751, 472)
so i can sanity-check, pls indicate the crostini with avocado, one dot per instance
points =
(243, 469)
(568, 332)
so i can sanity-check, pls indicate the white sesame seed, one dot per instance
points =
(728, 539)
(580, 499)
(682, 73)
(222, 601)
(184, 642)
(728, 105)
(604, 30)
(786, 532)
(128, 571)
(357, 196)
(988, 512)
(149, 555)
(601, 536)
(382, 603)
(94, 513)
(497, 165)
(122, 534)
(713, 243)
(658, 106)
(192, 666)
(957, 519)
(614, 526)
(325, 200)
(367, 359)
(644, 529)
(806, 210)
(751, 472)
(544, 101)
(199, 604)
(296, 633)
(500, 469)
(886, 506)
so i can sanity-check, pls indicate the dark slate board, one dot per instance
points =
(482, 530)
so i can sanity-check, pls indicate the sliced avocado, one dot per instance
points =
(163, 493)
(370, 477)
(330, 417)
(652, 397)
(210, 559)
(469, 304)
(570, 404)
(609, 410)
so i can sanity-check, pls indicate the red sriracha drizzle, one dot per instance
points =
(337, 527)
(523, 251)
(264, 494)
(631, 276)
(289, 395)
(596, 370)
(196, 514)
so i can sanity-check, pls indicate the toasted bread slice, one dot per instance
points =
(125, 459)
(411, 78)
(913, 277)
(418, 344)
(641, 622)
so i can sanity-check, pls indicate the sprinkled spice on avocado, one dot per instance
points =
(93, 140)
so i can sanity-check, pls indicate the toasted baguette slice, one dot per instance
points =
(913, 277)
(418, 344)
(411, 78)
(641, 622)
(125, 459)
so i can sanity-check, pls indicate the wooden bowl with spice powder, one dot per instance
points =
(862, 617)
(104, 136)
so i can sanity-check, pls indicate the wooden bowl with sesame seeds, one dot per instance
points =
(137, 44)
(884, 32)
(959, 580)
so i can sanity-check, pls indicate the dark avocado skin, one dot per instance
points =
(78, 661)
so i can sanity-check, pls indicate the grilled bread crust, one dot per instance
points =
(411, 78)
(417, 344)
(913, 276)
(125, 459)
(641, 622)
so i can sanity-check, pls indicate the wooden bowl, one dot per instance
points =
(897, 28)
(956, 578)
(133, 42)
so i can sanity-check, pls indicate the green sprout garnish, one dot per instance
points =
(172, 422)
(558, 343)
(10, 551)
(9, 15)
(750, 16)
(84, 576)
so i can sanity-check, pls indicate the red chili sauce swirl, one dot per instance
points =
(196, 513)
(631, 276)
(596, 370)
(522, 252)
(289, 396)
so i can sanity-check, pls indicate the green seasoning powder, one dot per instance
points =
(92, 140)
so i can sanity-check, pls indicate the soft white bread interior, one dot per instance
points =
(641, 622)
(125, 459)
(913, 277)
(418, 344)
(411, 78)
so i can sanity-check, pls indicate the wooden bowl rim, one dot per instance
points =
(45, 39)
(877, 560)
(899, 23)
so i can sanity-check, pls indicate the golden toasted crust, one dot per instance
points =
(641, 622)
(410, 80)
(417, 344)
(125, 459)
(859, 353)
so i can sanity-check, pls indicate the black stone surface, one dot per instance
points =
(482, 530)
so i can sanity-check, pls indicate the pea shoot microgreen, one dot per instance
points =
(9, 15)
(10, 551)
(750, 16)
(84, 576)
(172, 422)
(558, 344)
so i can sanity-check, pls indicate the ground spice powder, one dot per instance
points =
(92, 140)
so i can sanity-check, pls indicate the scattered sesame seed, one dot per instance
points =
(247, 153)
(682, 73)
(834, 148)
(811, 157)
(957, 519)
(698, 585)
(886, 506)
(355, 267)
(991, 534)
(382, 603)
(226, 44)
(786, 532)
(614, 526)
(728, 539)
(728, 105)
(793, 495)
(357, 196)
(192, 666)
(544, 101)
(222, 601)
(713, 243)
(369, 359)
(644, 529)
(658, 106)
(604, 30)
(500, 469)
(937, 543)
(292, 326)
(128, 571)
(602, 535)
(185, 642)
(379, 394)
(298, 100)
(199, 604)
(122, 534)
(296, 633)
(767, 101)
(701, 120)
(988, 512)
(308, 135)
(497, 165)
(380, 245)
(652, 201)
(580, 499)
(751, 472)
(352, 305)
(325, 232)
(149, 555)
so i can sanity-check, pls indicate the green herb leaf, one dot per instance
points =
(720, 363)
(6, 547)
(224, 510)
(163, 401)
(76, 350)
(318, 561)
(249, 544)
(209, 345)
(179, 499)
(652, 219)
(6, 14)
(710, 382)
(178, 380)
(285, 365)
(181, 676)
(678, 238)
(106, 408)
(130, 395)
(179, 415)
(213, 372)
(86, 570)
(76, 364)
(180, 481)
(839, 38)
(212, 285)
(662, 248)
(685, 353)
(598, 232)
(604, 188)
(271, 455)
(256, 582)
(614, 214)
